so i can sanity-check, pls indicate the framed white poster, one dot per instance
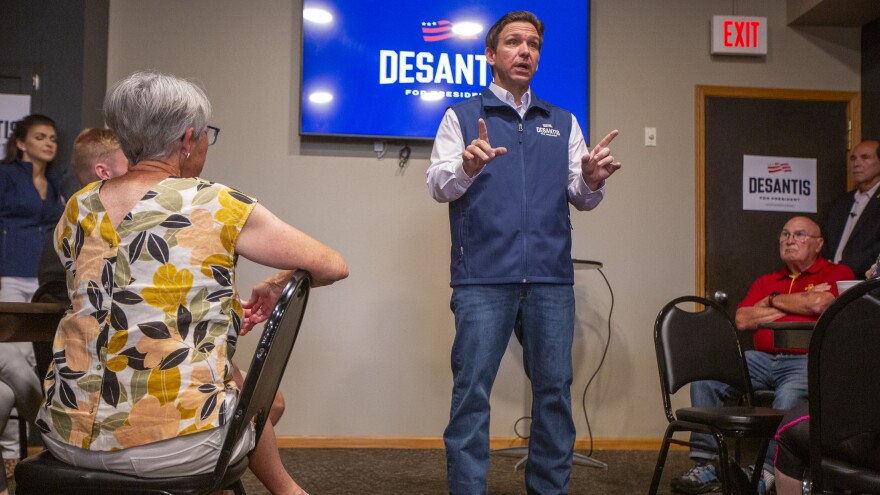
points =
(12, 109)
(779, 183)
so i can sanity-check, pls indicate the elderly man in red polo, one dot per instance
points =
(800, 291)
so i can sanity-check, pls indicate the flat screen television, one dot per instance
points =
(389, 69)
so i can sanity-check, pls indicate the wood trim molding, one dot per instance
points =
(375, 442)
(854, 115)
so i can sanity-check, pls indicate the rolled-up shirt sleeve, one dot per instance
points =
(579, 193)
(447, 180)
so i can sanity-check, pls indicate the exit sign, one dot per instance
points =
(738, 35)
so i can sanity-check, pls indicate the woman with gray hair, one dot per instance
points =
(142, 378)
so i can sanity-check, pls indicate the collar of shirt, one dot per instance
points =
(506, 96)
(816, 267)
(861, 198)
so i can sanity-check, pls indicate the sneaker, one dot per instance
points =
(768, 477)
(699, 479)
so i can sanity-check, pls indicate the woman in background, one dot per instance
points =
(155, 312)
(30, 206)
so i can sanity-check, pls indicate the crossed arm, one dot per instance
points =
(810, 303)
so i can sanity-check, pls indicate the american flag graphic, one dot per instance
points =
(778, 167)
(437, 31)
(441, 30)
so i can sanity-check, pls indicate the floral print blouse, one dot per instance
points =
(144, 354)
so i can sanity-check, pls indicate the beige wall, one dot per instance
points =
(373, 356)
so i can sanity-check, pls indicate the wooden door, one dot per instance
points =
(735, 246)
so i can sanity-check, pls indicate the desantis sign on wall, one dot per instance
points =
(777, 183)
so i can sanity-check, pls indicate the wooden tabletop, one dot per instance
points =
(29, 322)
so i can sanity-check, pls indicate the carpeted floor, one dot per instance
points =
(410, 472)
(423, 471)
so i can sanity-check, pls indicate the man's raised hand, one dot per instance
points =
(598, 164)
(477, 154)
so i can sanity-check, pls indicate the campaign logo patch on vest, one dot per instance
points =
(547, 130)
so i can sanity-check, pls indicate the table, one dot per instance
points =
(29, 322)
(790, 334)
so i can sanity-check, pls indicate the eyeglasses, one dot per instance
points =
(799, 236)
(213, 132)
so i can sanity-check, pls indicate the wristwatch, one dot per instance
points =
(770, 299)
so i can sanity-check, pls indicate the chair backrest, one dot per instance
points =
(698, 345)
(267, 367)
(844, 374)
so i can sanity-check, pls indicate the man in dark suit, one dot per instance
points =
(852, 231)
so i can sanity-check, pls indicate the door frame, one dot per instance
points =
(853, 100)
(28, 84)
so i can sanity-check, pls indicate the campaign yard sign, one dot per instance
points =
(778, 183)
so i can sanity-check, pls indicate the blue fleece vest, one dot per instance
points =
(512, 225)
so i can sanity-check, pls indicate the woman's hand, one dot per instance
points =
(263, 298)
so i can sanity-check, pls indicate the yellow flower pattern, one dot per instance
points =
(169, 289)
(143, 355)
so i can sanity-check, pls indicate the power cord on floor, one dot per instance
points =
(516, 430)
(592, 377)
(601, 362)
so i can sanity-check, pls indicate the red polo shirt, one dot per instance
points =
(783, 282)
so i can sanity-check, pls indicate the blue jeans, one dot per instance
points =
(484, 319)
(784, 373)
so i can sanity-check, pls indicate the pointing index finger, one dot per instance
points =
(483, 132)
(607, 139)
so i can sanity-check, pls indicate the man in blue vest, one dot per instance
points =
(509, 164)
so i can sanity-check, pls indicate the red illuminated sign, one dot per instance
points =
(737, 35)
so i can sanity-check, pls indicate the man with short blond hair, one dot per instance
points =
(97, 155)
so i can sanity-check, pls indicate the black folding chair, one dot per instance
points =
(43, 473)
(703, 345)
(844, 388)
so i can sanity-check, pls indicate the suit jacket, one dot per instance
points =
(52, 275)
(864, 243)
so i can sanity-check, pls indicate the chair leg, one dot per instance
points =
(237, 488)
(661, 461)
(22, 437)
(723, 468)
(737, 449)
(759, 461)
